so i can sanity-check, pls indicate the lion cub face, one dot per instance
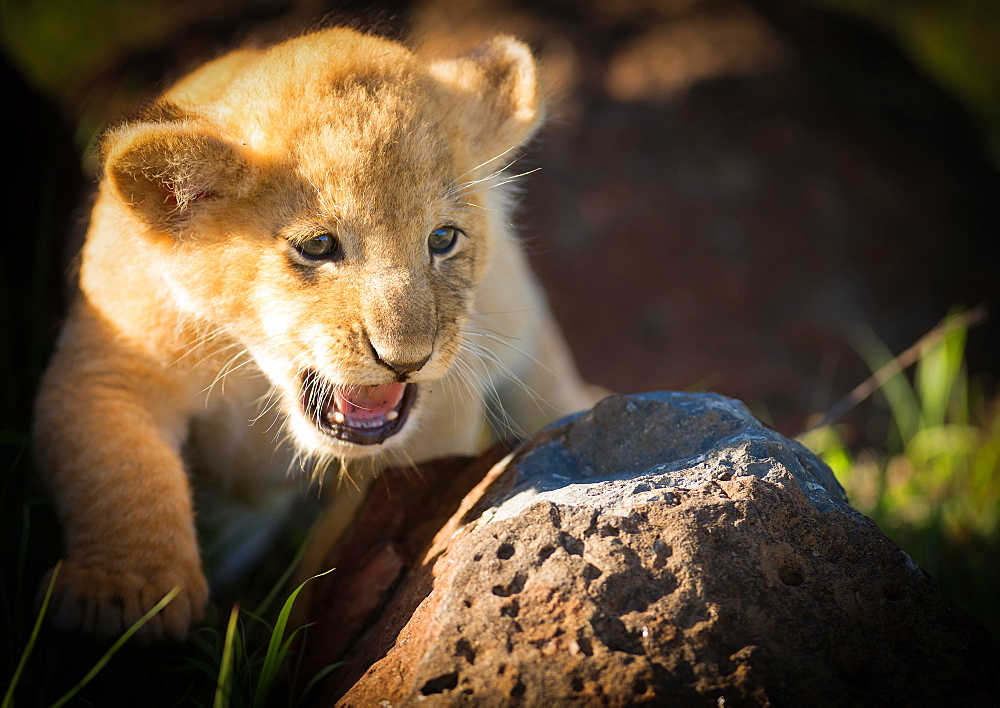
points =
(329, 215)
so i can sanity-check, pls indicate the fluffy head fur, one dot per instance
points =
(335, 134)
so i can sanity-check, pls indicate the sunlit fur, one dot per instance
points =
(196, 316)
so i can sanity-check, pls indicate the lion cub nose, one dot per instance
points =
(402, 368)
(401, 362)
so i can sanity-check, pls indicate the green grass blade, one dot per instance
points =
(265, 604)
(293, 679)
(209, 645)
(210, 670)
(276, 650)
(251, 618)
(8, 699)
(320, 675)
(119, 643)
(939, 375)
(224, 684)
(902, 399)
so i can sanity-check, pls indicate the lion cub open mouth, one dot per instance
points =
(364, 415)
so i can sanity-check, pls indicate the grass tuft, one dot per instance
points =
(119, 643)
(224, 685)
(278, 648)
(8, 699)
(934, 484)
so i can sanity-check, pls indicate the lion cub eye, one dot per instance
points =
(442, 240)
(318, 246)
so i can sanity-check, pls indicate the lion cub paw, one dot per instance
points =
(105, 604)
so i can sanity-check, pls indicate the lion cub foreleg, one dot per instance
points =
(109, 424)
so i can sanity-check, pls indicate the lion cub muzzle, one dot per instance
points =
(363, 415)
(400, 320)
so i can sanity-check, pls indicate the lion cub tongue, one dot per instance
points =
(369, 406)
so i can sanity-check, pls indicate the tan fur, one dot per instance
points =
(193, 317)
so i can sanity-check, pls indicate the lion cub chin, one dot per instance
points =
(296, 254)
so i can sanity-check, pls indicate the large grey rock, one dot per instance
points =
(637, 450)
(665, 549)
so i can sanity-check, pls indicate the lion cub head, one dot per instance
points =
(325, 205)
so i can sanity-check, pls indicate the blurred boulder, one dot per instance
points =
(662, 547)
(732, 192)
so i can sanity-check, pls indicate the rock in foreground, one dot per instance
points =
(663, 548)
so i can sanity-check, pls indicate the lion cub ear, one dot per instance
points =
(163, 169)
(497, 88)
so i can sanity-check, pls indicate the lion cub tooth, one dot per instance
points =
(391, 415)
(338, 417)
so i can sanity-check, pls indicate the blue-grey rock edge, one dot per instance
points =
(601, 458)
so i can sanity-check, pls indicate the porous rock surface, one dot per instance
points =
(665, 549)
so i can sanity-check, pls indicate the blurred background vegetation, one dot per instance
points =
(62, 46)
(954, 41)
(934, 484)
(921, 456)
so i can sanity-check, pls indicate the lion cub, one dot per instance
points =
(298, 253)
